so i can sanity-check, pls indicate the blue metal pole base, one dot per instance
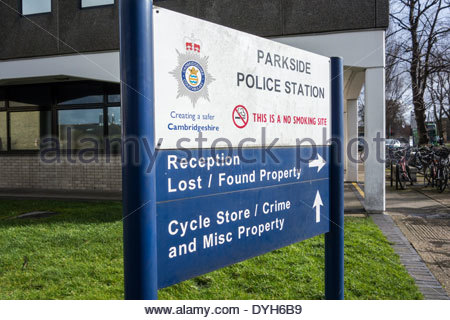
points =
(139, 194)
(334, 240)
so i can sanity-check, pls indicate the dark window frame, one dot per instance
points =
(34, 14)
(7, 130)
(53, 108)
(97, 6)
(3, 98)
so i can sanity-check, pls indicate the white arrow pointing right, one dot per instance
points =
(319, 163)
(317, 204)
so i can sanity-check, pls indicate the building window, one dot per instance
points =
(83, 93)
(95, 3)
(36, 6)
(28, 128)
(114, 98)
(3, 132)
(114, 129)
(82, 128)
(79, 115)
(2, 98)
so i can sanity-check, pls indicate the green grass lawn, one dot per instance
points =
(78, 255)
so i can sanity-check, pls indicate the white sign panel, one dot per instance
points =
(230, 85)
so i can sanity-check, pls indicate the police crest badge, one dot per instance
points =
(192, 73)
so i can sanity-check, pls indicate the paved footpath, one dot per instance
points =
(417, 223)
(423, 216)
(425, 280)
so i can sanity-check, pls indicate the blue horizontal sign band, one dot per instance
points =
(265, 228)
(207, 229)
(194, 172)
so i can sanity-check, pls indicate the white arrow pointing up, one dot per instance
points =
(319, 163)
(317, 204)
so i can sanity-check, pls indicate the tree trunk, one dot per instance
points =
(415, 73)
(438, 119)
(418, 100)
(419, 112)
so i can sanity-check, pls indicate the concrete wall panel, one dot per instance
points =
(97, 29)
(328, 15)
(89, 29)
(259, 17)
(27, 36)
(382, 13)
(189, 7)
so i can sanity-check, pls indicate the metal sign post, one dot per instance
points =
(334, 240)
(138, 185)
(214, 207)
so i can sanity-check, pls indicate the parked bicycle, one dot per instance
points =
(434, 164)
(437, 174)
(399, 160)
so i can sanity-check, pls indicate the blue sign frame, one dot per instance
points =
(147, 204)
(238, 211)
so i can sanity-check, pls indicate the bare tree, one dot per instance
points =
(395, 88)
(425, 24)
(361, 108)
(394, 80)
(439, 93)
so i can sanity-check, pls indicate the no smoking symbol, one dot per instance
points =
(240, 116)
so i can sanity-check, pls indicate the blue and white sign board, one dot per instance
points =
(230, 84)
(227, 198)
